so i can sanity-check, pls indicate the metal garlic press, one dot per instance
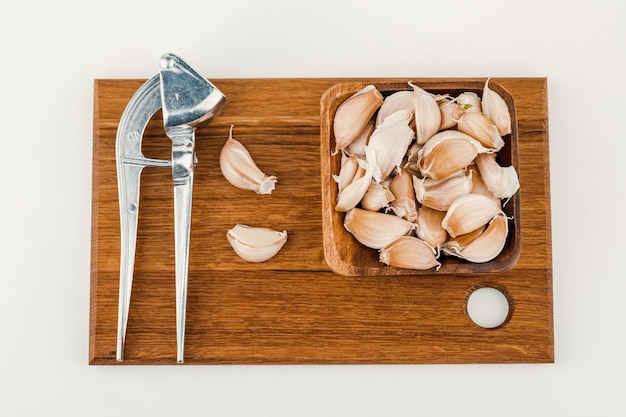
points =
(188, 101)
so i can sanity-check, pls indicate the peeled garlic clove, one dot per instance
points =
(404, 204)
(469, 102)
(448, 152)
(450, 113)
(487, 245)
(400, 100)
(480, 127)
(501, 181)
(496, 110)
(427, 114)
(389, 142)
(429, 227)
(374, 229)
(353, 115)
(410, 253)
(377, 197)
(439, 195)
(468, 213)
(240, 170)
(256, 244)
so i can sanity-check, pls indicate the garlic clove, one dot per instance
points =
(468, 213)
(501, 181)
(400, 100)
(240, 170)
(374, 229)
(347, 171)
(484, 247)
(357, 146)
(448, 152)
(450, 113)
(256, 244)
(389, 143)
(479, 186)
(469, 102)
(377, 197)
(350, 196)
(427, 114)
(353, 115)
(439, 195)
(429, 227)
(480, 127)
(496, 110)
(410, 253)
(404, 204)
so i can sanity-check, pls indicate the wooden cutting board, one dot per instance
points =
(293, 309)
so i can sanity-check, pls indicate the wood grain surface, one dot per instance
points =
(293, 309)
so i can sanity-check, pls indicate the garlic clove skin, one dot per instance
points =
(496, 110)
(374, 229)
(427, 114)
(389, 143)
(409, 252)
(256, 244)
(400, 100)
(481, 128)
(469, 102)
(484, 247)
(429, 227)
(439, 195)
(404, 204)
(503, 182)
(448, 152)
(468, 213)
(353, 115)
(240, 170)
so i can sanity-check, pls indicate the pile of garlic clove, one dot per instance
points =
(419, 177)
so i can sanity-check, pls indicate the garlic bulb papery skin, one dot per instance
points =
(448, 152)
(256, 244)
(481, 128)
(468, 213)
(353, 115)
(503, 182)
(439, 195)
(486, 246)
(427, 114)
(389, 143)
(404, 204)
(374, 229)
(469, 102)
(240, 170)
(400, 100)
(429, 227)
(409, 252)
(377, 197)
(496, 110)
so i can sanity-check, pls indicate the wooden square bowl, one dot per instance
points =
(343, 253)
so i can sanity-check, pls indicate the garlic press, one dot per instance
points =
(188, 101)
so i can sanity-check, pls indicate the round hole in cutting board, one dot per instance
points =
(488, 307)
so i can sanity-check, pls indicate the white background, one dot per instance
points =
(53, 50)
